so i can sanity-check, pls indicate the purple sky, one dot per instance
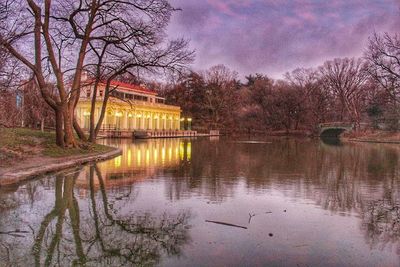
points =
(275, 36)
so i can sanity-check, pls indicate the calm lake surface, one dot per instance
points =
(284, 202)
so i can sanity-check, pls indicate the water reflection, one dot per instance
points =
(142, 160)
(333, 141)
(97, 233)
(342, 202)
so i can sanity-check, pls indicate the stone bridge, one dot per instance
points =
(334, 129)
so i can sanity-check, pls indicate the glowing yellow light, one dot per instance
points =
(86, 113)
(189, 119)
(148, 116)
(155, 155)
(147, 157)
(129, 157)
(182, 150)
(118, 114)
(182, 119)
(130, 115)
(156, 116)
(189, 150)
(139, 115)
(163, 154)
(117, 162)
(139, 157)
(170, 117)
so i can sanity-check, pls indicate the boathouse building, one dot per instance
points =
(130, 108)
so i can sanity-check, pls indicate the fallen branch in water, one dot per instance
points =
(227, 224)
(14, 233)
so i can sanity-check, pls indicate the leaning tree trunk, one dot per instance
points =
(79, 130)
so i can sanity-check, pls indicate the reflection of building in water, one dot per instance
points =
(140, 160)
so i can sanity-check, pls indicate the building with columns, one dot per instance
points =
(130, 107)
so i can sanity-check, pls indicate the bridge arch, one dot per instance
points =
(333, 129)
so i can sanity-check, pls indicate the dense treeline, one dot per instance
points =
(358, 90)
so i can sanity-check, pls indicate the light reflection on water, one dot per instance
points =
(303, 202)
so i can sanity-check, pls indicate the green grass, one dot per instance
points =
(24, 141)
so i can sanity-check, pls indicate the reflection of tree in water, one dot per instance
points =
(353, 178)
(341, 179)
(12, 198)
(104, 235)
(381, 222)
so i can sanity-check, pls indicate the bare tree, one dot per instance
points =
(313, 98)
(345, 79)
(383, 56)
(34, 109)
(10, 73)
(65, 36)
(220, 92)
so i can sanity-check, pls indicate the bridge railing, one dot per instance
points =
(335, 124)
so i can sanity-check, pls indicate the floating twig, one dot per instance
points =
(227, 224)
(251, 216)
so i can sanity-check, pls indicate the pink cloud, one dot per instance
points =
(222, 7)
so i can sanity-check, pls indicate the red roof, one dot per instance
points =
(131, 87)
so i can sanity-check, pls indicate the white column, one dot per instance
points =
(123, 120)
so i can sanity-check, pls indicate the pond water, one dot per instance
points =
(211, 202)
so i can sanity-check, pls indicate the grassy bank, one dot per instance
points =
(373, 136)
(20, 144)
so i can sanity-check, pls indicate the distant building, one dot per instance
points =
(130, 107)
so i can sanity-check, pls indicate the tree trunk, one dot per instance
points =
(59, 128)
(79, 130)
(95, 132)
(42, 125)
(69, 138)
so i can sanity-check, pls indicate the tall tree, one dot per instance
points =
(345, 78)
(314, 99)
(383, 56)
(68, 36)
(220, 94)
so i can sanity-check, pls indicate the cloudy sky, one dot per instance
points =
(275, 36)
